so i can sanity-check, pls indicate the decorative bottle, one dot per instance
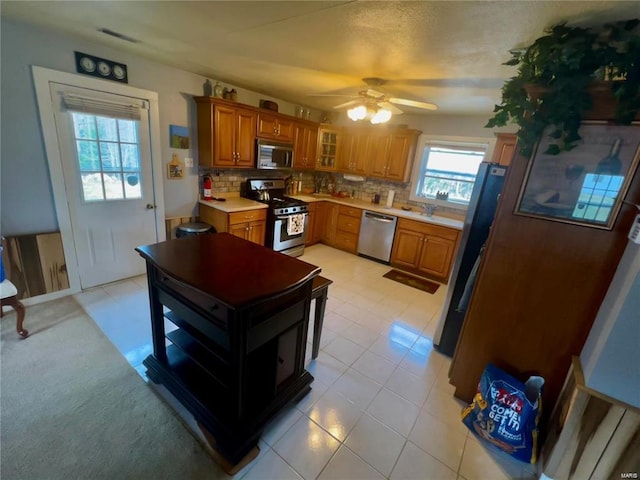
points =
(208, 88)
(217, 90)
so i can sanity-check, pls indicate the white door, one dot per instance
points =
(105, 150)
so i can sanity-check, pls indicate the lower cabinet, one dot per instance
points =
(348, 228)
(249, 224)
(424, 249)
(316, 223)
(330, 224)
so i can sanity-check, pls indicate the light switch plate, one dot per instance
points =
(188, 162)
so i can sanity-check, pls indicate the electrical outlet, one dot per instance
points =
(188, 162)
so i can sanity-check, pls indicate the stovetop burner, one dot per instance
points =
(271, 191)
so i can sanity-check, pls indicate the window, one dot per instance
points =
(447, 172)
(108, 157)
(598, 197)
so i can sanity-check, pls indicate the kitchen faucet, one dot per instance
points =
(428, 209)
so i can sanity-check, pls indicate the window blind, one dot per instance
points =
(463, 147)
(97, 106)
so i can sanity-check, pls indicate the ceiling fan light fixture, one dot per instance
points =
(357, 113)
(381, 116)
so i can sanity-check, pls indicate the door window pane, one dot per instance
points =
(113, 186)
(128, 131)
(108, 157)
(88, 155)
(107, 128)
(85, 126)
(92, 186)
(130, 157)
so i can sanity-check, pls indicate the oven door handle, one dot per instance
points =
(286, 217)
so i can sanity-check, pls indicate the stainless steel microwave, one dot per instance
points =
(274, 154)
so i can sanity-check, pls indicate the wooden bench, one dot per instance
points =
(319, 292)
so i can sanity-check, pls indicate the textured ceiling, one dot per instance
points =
(446, 52)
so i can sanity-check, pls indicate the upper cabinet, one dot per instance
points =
(505, 148)
(382, 153)
(328, 148)
(354, 152)
(275, 127)
(226, 134)
(305, 145)
(378, 153)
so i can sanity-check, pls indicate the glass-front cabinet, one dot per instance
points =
(328, 148)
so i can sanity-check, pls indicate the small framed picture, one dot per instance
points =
(584, 186)
(179, 136)
(175, 169)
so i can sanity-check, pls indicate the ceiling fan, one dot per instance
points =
(375, 105)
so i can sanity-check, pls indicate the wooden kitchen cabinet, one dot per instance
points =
(275, 127)
(505, 148)
(330, 224)
(354, 153)
(305, 146)
(226, 134)
(348, 228)
(424, 248)
(316, 223)
(249, 224)
(378, 153)
(329, 144)
(391, 154)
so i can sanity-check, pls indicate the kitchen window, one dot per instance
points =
(445, 171)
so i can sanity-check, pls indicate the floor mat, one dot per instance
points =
(412, 281)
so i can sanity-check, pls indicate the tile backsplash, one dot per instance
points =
(229, 181)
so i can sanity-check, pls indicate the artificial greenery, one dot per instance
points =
(565, 62)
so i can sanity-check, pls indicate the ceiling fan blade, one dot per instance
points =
(374, 93)
(413, 103)
(346, 104)
(392, 108)
(331, 95)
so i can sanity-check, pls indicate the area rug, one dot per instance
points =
(412, 281)
(72, 407)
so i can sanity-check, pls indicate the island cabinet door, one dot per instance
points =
(407, 248)
(436, 256)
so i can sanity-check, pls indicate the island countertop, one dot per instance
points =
(233, 270)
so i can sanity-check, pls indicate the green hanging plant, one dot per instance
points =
(563, 65)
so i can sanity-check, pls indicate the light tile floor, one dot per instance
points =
(381, 405)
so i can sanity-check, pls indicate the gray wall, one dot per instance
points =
(26, 195)
(611, 350)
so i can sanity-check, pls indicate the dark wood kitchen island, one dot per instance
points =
(237, 354)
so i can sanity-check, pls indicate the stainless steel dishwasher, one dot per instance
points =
(376, 235)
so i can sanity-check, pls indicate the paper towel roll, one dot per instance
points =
(390, 196)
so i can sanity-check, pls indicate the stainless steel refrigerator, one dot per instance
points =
(480, 214)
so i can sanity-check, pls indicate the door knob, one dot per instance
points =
(150, 206)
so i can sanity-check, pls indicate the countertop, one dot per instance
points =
(234, 204)
(240, 204)
(379, 208)
(228, 268)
